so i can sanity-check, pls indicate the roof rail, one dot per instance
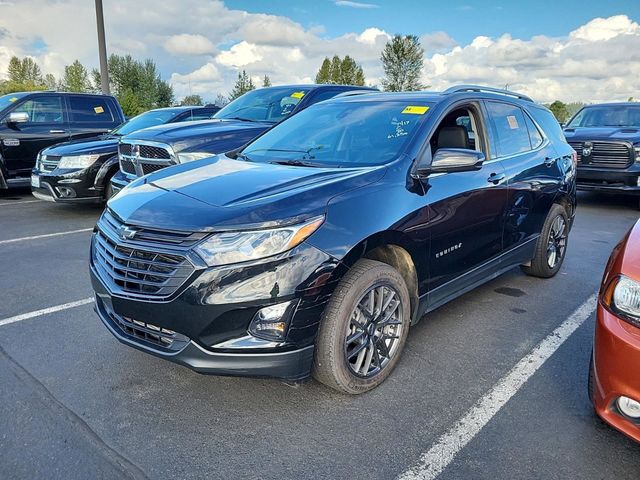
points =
(479, 88)
(350, 93)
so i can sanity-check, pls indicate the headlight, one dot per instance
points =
(623, 297)
(234, 247)
(636, 149)
(77, 161)
(191, 156)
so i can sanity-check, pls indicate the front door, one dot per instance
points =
(47, 125)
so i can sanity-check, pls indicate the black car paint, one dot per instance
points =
(423, 215)
(592, 177)
(17, 161)
(93, 180)
(223, 135)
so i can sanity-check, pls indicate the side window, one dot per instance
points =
(47, 109)
(511, 128)
(201, 114)
(535, 137)
(89, 109)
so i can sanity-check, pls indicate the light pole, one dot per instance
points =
(102, 49)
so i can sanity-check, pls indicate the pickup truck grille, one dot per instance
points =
(141, 159)
(137, 268)
(48, 163)
(604, 154)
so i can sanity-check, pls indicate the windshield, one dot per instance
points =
(607, 116)
(338, 134)
(264, 105)
(7, 100)
(145, 120)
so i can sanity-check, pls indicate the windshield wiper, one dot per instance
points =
(295, 163)
(239, 118)
(244, 157)
(306, 153)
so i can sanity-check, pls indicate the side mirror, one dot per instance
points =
(17, 117)
(454, 160)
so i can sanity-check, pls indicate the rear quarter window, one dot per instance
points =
(547, 122)
(90, 110)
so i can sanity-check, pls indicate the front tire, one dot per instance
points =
(551, 246)
(363, 328)
(108, 189)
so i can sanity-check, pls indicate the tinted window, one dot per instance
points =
(607, 116)
(147, 119)
(47, 109)
(547, 122)
(8, 100)
(264, 105)
(90, 109)
(325, 95)
(535, 137)
(511, 128)
(340, 134)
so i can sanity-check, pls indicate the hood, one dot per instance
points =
(625, 134)
(95, 145)
(222, 193)
(184, 136)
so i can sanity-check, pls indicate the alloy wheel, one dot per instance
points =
(374, 331)
(557, 242)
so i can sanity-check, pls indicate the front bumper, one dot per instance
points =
(616, 355)
(75, 186)
(609, 179)
(211, 314)
(119, 181)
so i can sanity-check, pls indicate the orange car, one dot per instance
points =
(614, 379)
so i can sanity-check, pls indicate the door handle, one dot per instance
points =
(496, 178)
(57, 131)
(549, 161)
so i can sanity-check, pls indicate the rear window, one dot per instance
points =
(90, 110)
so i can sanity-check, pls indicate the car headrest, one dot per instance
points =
(453, 137)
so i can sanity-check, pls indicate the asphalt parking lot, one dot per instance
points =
(75, 403)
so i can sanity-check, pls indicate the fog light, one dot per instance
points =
(271, 322)
(629, 407)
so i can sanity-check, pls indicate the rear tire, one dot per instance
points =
(551, 246)
(363, 328)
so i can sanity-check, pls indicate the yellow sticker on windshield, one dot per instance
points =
(297, 94)
(98, 109)
(13, 99)
(415, 109)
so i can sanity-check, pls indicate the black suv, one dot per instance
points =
(317, 245)
(607, 140)
(81, 170)
(31, 121)
(233, 126)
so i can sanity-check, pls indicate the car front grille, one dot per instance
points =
(136, 267)
(48, 163)
(604, 154)
(141, 159)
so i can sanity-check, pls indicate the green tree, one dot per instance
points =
(76, 78)
(324, 74)
(266, 81)
(23, 75)
(243, 85)
(192, 100)
(402, 61)
(340, 71)
(50, 82)
(559, 110)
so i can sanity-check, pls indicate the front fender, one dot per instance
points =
(107, 169)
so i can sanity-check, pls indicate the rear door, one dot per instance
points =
(533, 174)
(91, 115)
(466, 209)
(47, 125)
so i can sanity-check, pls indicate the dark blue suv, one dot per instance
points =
(315, 247)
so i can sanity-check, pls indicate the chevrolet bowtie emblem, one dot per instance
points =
(127, 233)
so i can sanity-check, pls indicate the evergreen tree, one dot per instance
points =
(334, 71)
(23, 75)
(76, 78)
(340, 71)
(266, 81)
(402, 60)
(324, 74)
(243, 85)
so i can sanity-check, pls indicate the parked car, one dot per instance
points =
(233, 126)
(31, 121)
(607, 140)
(614, 378)
(317, 245)
(81, 170)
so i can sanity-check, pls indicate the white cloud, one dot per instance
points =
(203, 81)
(188, 44)
(347, 3)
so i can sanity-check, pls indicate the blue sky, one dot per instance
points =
(461, 20)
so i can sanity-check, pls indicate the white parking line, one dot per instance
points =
(47, 235)
(441, 454)
(45, 311)
(4, 204)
